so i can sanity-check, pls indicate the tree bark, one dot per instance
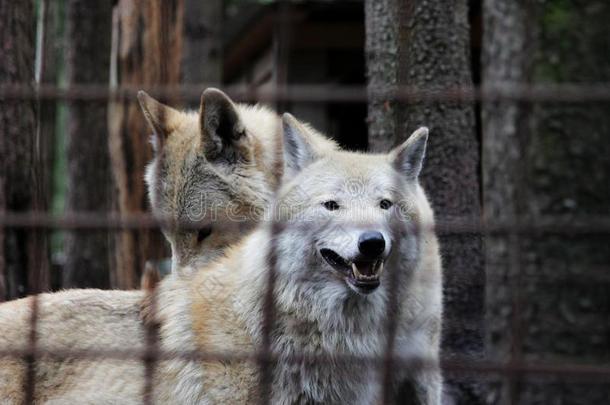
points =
(426, 44)
(381, 53)
(149, 54)
(504, 125)
(88, 190)
(547, 162)
(202, 50)
(24, 254)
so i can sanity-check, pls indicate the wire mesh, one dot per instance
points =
(266, 359)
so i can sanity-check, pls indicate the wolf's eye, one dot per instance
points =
(331, 205)
(385, 204)
(204, 233)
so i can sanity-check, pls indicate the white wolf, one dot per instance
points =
(345, 217)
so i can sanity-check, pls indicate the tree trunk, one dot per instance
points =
(149, 54)
(381, 52)
(547, 161)
(504, 127)
(88, 190)
(202, 50)
(24, 263)
(426, 44)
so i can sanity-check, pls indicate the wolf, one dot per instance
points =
(217, 167)
(345, 246)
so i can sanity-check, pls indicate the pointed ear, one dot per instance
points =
(409, 156)
(222, 131)
(299, 150)
(158, 116)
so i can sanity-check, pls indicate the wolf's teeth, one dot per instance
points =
(355, 270)
(380, 270)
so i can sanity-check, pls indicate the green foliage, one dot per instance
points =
(567, 176)
(573, 41)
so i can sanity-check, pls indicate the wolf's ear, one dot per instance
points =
(159, 117)
(299, 150)
(409, 156)
(221, 127)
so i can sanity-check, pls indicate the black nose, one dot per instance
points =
(371, 244)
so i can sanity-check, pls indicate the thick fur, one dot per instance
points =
(219, 308)
(219, 166)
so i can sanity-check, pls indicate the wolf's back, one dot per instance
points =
(77, 332)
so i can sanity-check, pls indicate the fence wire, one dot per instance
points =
(312, 93)
(515, 367)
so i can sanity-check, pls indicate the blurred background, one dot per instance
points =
(516, 94)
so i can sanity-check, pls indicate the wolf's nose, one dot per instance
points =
(371, 244)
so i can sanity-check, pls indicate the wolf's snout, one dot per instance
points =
(371, 244)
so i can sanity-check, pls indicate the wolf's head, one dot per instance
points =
(210, 167)
(347, 216)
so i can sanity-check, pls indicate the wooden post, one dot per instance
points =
(149, 54)
(89, 182)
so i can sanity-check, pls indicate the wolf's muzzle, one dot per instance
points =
(361, 275)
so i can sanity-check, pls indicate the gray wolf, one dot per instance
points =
(218, 166)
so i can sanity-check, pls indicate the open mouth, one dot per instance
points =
(361, 275)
